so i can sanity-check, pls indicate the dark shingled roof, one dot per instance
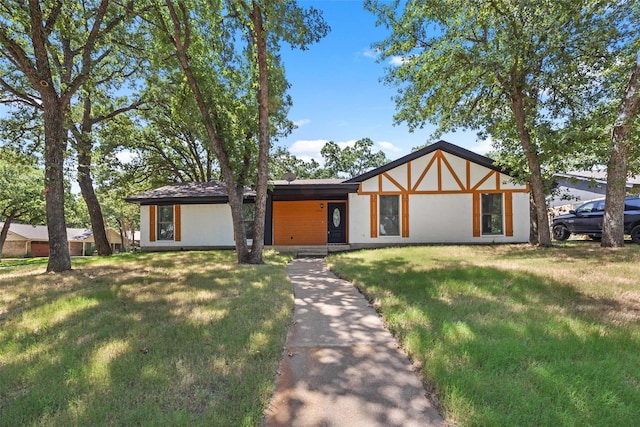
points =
(299, 189)
(312, 189)
(188, 193)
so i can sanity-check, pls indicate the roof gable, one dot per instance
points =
(440, 145)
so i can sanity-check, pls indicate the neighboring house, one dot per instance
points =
(439, 194)
(24, 239)
(575, 188)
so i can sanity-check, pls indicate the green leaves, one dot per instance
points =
(21, 189)
(351, 161)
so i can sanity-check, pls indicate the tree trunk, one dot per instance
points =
(617, 167)
(536, 181)
(260, 43)
(235, 192)
(84, 147)
(123, 235)
(103, 247)
(236, 201)
(55, 146)
(4, 232)
(533, 221)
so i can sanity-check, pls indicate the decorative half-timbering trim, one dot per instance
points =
(453, 173)
(177, 223)
(508, 213)
(423, 174)
(448, 180)
(405, 214)
(373, 201)
(439, 158)
(476, 214)
(152, 223)
(393, 181)
(486, 178)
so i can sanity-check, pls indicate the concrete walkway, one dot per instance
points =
(341, 367)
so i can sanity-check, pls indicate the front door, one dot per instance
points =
(337, 223)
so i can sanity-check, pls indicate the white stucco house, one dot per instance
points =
(441, 193)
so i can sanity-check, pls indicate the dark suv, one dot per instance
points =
(587, 219)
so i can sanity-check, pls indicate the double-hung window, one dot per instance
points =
(249, 212)
(389, 216)
(165, 223)
(492, 218)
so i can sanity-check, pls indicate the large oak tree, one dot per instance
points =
(48, 51)
(228, 52)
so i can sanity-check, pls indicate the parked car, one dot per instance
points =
(587, 219)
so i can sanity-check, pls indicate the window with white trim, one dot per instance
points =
(165, 222)
(389, 215)
(492, 218)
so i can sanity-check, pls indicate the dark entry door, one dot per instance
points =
(337, 223)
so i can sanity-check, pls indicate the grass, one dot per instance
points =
(513, 335)
(186, 338)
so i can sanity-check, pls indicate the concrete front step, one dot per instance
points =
(312, 250)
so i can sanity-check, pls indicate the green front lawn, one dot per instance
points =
(513, 335)
(186, 338)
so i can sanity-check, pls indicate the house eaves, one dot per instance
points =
(599, 177)
(212, 192)
(312, 189)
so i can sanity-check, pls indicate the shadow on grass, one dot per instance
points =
(180, 341)
(505, 347)
(570, 251)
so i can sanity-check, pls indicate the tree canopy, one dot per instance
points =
(228, 53)
(515, 70)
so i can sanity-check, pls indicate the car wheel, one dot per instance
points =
(635, 234)
(560, 232)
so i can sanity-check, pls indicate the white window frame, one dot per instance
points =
(482, 215)
(159, 223)
(382, 230)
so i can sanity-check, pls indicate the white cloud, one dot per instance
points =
(308, 149)
(371, 53)
(388, 147)
(301, 122)
(396, 61)
(349, 143)
(483, 147)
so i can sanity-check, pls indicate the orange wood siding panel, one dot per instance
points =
(177, 236)
(300, 223)
(405, 215)
(508, 213)
(476, 214)
(373, 208)
(152, 223)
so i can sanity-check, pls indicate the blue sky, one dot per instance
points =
(338, 94)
